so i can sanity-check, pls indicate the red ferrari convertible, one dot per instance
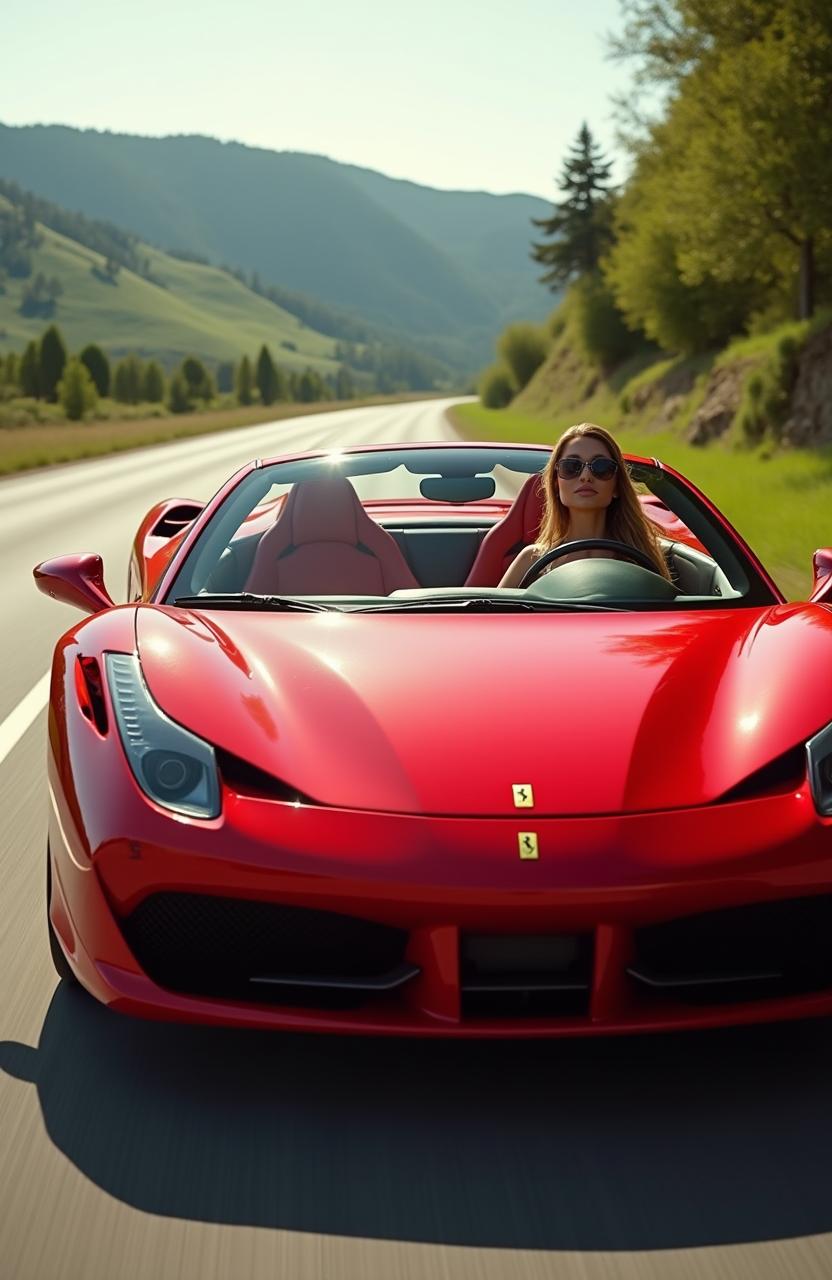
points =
(322, 773)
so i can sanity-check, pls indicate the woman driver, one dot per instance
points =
(588, 494)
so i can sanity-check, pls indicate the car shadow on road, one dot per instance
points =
(637, 1143)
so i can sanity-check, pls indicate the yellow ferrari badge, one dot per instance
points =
(527, 844)
(523, 795)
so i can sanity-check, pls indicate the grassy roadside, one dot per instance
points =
(779, 500)
(44, 444)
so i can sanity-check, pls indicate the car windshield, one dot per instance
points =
(434, 528)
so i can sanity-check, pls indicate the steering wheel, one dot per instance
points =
(585, 544)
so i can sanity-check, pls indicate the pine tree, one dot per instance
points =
(99, 367)
(30, 370)
(244, 382)
(344, 385)
(266, 376)
(53, 358)
(310, 387)
(153, 383)
(76, 391)
(10, 376)
(579, 228)
(127, 380)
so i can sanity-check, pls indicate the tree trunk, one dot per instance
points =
(806, 286)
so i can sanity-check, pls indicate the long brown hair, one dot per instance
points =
(625, 521)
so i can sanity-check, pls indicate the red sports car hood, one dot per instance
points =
(599, 713)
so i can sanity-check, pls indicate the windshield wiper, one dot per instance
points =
(251, 602)
(485, 604)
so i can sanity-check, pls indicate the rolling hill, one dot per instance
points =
(185, 308)
(435, 264)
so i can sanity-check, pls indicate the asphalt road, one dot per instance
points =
(131, 1149)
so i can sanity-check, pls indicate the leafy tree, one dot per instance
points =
(53, 358)
(99, 367)
(198, 379)
(76, 391)
(153, 383)
(127, 380)
(30, 370)
(750, 130)
(266, 376)
(600, 324)
(648, 274)
(244, 382)
(579, 229)
(178, 399)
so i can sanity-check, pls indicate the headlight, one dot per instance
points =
(171, 765)
(819, 752)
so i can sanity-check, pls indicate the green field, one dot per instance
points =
(779, 500)
(193, 309)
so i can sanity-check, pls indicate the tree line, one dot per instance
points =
(724, 225)
(46, 371)
(19, 235)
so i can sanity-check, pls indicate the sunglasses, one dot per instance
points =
(570, 467)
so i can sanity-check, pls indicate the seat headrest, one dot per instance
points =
(325, 510)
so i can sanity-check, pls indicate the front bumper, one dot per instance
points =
(444, 885)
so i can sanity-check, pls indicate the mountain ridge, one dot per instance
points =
(417, 259)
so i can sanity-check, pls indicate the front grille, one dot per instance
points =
(752, 952)
(239, 949)
(525, 975)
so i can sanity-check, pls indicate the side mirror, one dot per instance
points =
(822, 573)
(77, 580)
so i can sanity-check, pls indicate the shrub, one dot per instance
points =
(523, 349)
(153, 383)
(76, 391)
(496, 387)
(767, 393)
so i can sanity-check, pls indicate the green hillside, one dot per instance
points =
(186, 308)
(488, 236)
(302, 222)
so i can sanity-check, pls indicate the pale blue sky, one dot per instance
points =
(452, 93)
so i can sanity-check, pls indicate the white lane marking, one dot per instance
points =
(18, 721)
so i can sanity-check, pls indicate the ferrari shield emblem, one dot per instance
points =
(527, 844)
(523, 795)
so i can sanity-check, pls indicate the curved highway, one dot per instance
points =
(131, 1149)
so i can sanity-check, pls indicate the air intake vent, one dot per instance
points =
(778, 777)
(764, 950)
(246, 950)
(175, 520)
(525, 975)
